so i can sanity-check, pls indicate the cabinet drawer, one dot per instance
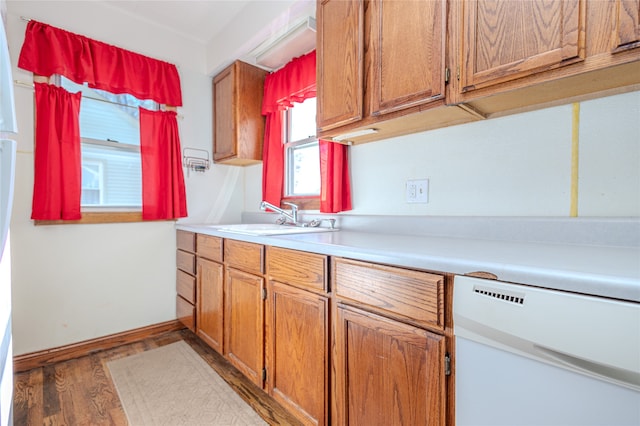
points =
(186, 241)
(186, 286)
(209, 247)
(186, 313)
(416, 296)
(245, 256)
(186, 261)
(297, 268)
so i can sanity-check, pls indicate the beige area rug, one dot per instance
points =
(173, 386)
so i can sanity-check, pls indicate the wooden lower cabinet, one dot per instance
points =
(386, 372)
(210, 314)
(244, 323)
(367, 348)
(298, 351)
(186, 295)
(185, 313)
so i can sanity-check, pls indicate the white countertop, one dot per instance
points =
(609, 271)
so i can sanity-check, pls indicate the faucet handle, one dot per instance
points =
(316, 222)
(294, 211)
(294, 207)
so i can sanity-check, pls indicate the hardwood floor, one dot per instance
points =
(80, 391)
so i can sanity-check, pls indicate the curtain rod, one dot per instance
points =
(30, 86)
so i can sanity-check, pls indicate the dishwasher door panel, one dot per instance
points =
(532, 356)
(499, 388)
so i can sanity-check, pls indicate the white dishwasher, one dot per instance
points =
(532, 356)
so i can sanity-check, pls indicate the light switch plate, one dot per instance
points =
(417, 191)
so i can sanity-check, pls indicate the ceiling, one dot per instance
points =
(250, 30)
(199, 20)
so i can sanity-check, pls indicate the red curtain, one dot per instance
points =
(295, 82)
(273, 159)
(58, 174)
(48, 50)
(335, 189)
(163, 192)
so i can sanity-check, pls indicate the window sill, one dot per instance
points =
(98, 217)
(303, 203)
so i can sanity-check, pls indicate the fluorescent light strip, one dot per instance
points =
(355, 134)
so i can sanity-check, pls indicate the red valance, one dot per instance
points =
(295, 82)
(48, 50)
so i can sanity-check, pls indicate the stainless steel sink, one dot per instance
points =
(269, 229)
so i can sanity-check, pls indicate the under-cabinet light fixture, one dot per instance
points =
(351, 135)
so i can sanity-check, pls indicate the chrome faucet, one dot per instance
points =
(285, 216)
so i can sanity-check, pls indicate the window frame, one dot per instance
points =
(304, 202)
(99, 214)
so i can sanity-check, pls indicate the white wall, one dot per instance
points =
(77, 282)
(518, 165)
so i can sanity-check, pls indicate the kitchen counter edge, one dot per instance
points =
(612, 272)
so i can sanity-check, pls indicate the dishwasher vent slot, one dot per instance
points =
(511, 297)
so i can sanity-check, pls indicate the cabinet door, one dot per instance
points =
(387, 372)
(628, 23)
(339, 53)
(244, 323)
(505, 40)
(224, 123)
(210, 303)
(407, 53)
(297, 350)
(238, 124)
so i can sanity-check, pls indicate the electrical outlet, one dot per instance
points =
(417, 191)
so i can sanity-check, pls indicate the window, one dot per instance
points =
(110, 131)
(92, 183)
(301, 153)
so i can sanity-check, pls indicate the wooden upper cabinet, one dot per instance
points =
(628, 23)
(382, 68)
(506, 40)
(339, 53)
(519, 55)
(238, 124)
(407, 48)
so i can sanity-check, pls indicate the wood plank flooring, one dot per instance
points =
(80, 392)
